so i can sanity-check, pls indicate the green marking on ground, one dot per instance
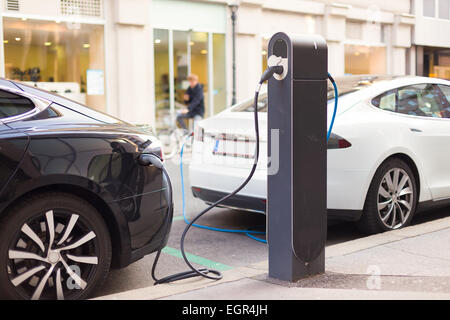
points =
(176, 218)
(198, 260)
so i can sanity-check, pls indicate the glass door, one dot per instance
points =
(176, 55)
(199, 62)
(181, 66)
(162, 78)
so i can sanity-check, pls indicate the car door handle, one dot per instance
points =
(415, 130)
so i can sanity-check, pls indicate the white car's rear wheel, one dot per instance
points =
(391, 199)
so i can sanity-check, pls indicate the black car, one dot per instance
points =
(74, 198)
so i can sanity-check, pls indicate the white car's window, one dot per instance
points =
(424, 100)
(386, 101)
(446, 97)
(12, 105)
(446, 91)
(419, 100)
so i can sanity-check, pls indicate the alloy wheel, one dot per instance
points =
(395, 198)
(53, 256)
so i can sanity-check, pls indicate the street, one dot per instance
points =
(218, 250)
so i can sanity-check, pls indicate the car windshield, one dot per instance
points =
(345, 84)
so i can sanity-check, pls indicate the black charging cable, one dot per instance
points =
(205, 272)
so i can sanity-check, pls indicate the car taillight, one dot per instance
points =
(199, 133)
(337, 142)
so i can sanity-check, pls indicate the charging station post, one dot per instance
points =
(296, 195)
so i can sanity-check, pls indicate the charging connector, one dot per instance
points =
(275, 61)
(271, 71)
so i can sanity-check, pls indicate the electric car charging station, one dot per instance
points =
(296, 195)
(296, 200)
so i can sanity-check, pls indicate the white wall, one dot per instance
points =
(129, 55)
(248, 65)
(262, 18)
(428, 31)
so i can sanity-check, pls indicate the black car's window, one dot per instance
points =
(13, 105)
(386, 101)
(419, 100)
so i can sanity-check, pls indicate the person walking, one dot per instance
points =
(194, 99)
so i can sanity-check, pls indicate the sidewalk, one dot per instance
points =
(411, 263)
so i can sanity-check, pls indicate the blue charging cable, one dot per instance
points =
(248, 233)
(336, 98)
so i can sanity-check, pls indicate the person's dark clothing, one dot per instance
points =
(196, 102)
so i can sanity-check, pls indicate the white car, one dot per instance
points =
(388, 156)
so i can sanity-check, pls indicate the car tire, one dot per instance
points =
(80, 258)
(391, 200)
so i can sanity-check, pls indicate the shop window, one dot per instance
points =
(220, 81)
(67, 59)
(191, 54)
(181, 65)
(162, 82)
(436, 63)
(199, 62)
(264, 52)
(361, 59)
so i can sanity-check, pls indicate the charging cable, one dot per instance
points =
(336, 98)
(248, 233)
(204, 272)
(211, 273)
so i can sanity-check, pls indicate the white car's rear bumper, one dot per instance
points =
(346, 189)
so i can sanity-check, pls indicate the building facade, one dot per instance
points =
(131, 58)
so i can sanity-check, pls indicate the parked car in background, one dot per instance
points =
(388, 154)
(74, 200)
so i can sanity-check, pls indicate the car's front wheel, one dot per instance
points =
(391, 200)
(53, 246)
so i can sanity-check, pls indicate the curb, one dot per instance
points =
(169, 289)
(341, 249)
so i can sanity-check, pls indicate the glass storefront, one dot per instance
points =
(162, 84)
(65, 58)
(190, 52)
(181, 70)
(264, 52)
(220, 79)
(199, 62)
(436, 63)
(361, 59)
